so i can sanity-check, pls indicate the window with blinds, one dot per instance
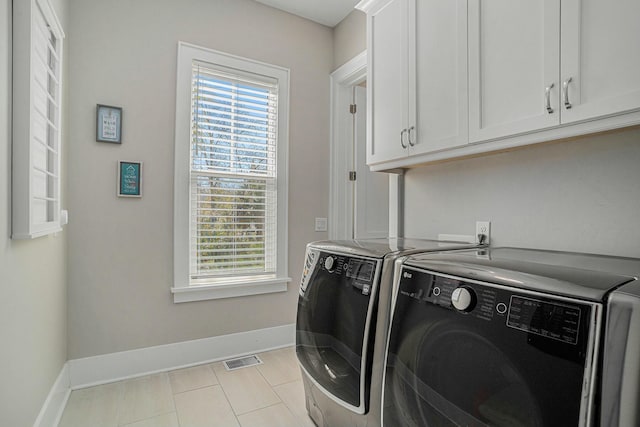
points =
(45, 123)
(233, 187)
(37, 118)
(230, 176)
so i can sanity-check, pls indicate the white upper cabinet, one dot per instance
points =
(388, 72)
(513, 67)
(536, 65)
(600, 58)
(417, 77)
(441, 75)
(454, 78)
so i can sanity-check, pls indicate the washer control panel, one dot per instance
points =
(548, 319)
(542, 315)
(463, 298)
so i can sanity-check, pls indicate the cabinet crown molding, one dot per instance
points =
(368, 5)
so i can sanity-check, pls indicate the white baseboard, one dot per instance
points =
(53, 407)
(112, 367)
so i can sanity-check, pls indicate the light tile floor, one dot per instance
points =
(267, 395)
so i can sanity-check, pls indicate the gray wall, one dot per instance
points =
(349, 38)
(33, 307)
(122, 249)
(582, 195)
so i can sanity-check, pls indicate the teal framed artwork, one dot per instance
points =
(129, 179)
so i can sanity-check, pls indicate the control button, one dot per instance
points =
(328, 263)
(436, 291)
(463, 299)
(501, 308)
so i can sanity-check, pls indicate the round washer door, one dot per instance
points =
(447, 375)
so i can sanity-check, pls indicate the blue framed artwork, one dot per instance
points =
(129, 179)
(108, 124)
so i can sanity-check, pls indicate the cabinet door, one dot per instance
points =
(441, 77)
(513, 57)
(601, 56)
(388, 87)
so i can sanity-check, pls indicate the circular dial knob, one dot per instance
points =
(463, 299)
(328, 263)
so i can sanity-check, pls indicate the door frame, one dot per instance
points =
(341, 156)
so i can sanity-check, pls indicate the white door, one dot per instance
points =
(441, 76)
(601, 57)
(388, 71)
(371, 189)
(514, 60)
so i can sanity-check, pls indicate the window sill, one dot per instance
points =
(229, 290)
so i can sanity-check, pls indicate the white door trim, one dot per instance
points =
(341, 155)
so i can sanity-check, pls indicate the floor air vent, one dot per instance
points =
(242, 362)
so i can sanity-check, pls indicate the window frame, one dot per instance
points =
(184, 288)
(25, 145)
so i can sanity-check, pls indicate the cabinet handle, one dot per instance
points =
(411, 143)
(402, 138)
(547, 97)
(565, 92)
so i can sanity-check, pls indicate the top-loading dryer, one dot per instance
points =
(342, 319)
(507, 337)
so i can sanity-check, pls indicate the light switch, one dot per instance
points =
(321, 224)
(64, 217)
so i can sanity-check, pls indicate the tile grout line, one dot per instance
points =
(196, 388)
(293, 413)
(266, 381)
(265, 378)
(233, 411)
(146, 385)
(149, 418)
(120, 402)
(173, 399)
(267, 407)
(173, 394)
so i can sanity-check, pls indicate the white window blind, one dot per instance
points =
(233, 197)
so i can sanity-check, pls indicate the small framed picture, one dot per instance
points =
(108, 124)
(129, 179)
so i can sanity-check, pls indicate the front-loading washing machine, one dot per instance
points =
(342, 318)
(508, 337)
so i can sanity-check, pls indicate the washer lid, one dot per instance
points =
(379, 248)
(585, 276)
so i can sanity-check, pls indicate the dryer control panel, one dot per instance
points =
(358, 272)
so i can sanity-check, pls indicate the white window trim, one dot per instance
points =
(23, 29)
(184, 289)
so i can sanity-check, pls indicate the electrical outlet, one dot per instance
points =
(483, 228)
(321, 224)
